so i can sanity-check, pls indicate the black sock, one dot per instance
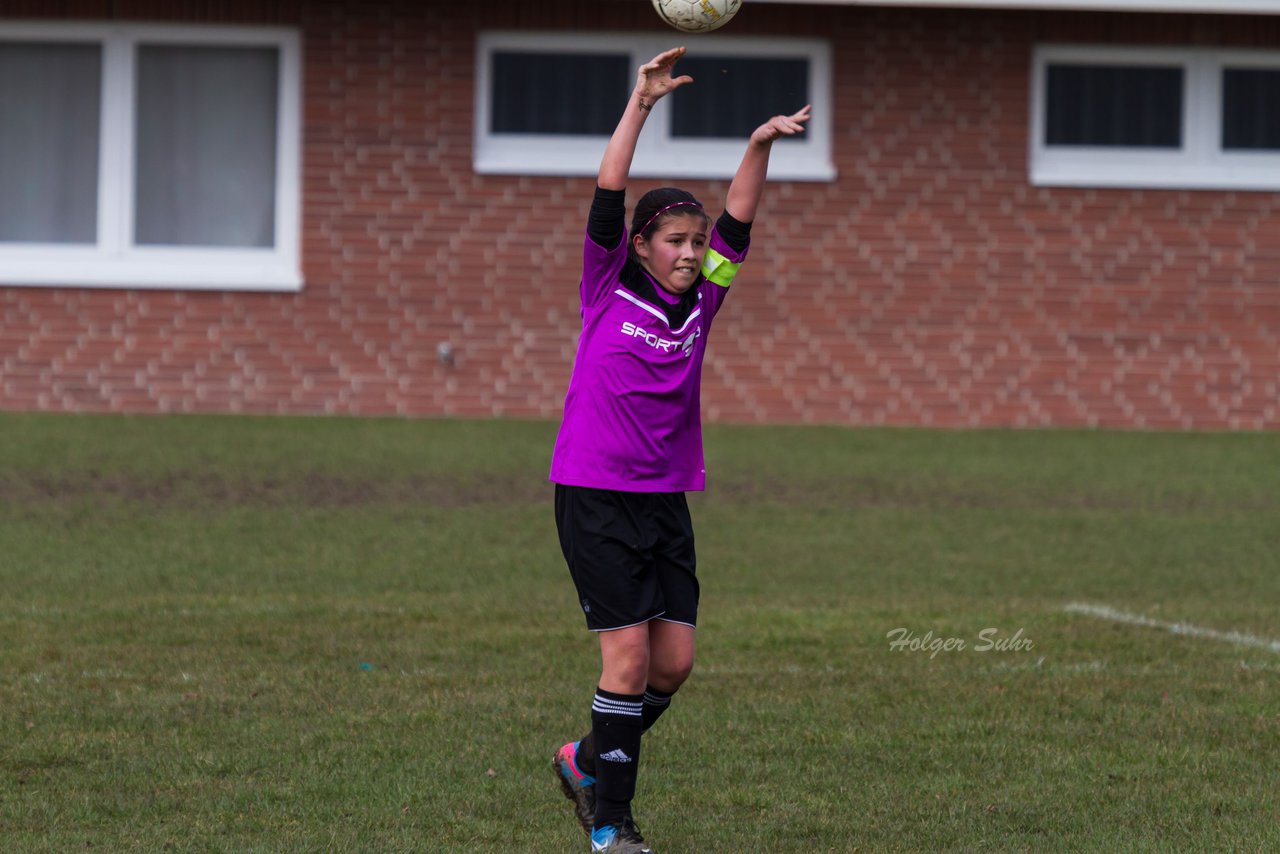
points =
(655, 703)
(617, 721)
(586, 756)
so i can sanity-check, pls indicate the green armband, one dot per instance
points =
(719, 269)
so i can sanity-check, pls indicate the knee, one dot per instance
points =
(670, 674)
(626, 670)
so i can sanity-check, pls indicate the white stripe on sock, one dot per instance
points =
(622, 707)
(617, 707)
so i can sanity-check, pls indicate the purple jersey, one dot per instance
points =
(632, 420)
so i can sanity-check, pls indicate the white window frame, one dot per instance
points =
(114, 261)
(657, 154)
(1200, 163)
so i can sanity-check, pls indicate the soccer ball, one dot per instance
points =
(697, 16)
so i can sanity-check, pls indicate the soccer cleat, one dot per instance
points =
(619, 839)
(577, 786)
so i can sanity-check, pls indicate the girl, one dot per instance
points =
(630, 445)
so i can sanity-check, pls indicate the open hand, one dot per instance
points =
(781, 126)
(655, 80)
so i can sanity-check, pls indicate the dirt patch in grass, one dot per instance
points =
(861, 493)
(321, 490)
(308, 490)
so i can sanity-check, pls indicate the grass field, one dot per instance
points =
(239, 634)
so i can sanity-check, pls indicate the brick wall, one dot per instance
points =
(928, 285)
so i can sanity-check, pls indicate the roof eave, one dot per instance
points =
(1216, 7)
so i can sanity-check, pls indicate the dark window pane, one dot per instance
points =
(579, 94)
(1121, 105)
(732, 96)
(1251, 109)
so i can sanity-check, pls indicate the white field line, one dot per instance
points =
(1105, 612)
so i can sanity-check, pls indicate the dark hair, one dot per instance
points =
(656, 207)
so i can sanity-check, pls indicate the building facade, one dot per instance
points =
(1002, 217)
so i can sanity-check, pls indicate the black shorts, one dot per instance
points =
(630, 555)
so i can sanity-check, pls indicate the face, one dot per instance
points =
(673, 253)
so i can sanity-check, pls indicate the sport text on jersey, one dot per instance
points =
(659, 343)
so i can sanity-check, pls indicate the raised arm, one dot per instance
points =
(748, 182)
(653, 81)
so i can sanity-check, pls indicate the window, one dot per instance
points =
(1125, 106)
(1144, 117)
(734, 95)
(546, 104)
(528, 93)
(48, 142)
(1251, 109)
(149, 156)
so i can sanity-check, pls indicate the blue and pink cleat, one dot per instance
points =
(619, 839)
(577, 786)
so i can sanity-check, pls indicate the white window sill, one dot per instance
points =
(529, 155)
(160, 269)
(1103, 167)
